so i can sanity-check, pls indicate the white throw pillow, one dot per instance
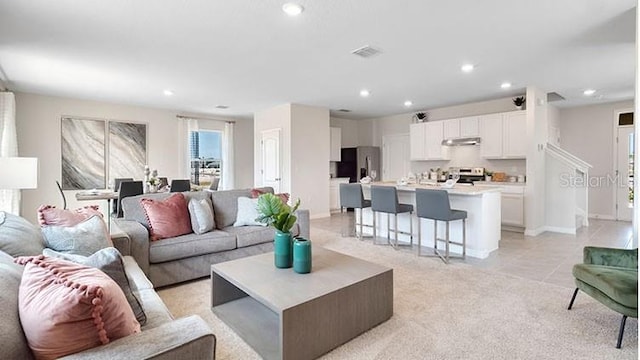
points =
(201, 213)
(247, 212)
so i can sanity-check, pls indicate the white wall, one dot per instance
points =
(349, 137)
(588, 132)
(38, 127)
(537, 135)
(553, 118)
(310, 144)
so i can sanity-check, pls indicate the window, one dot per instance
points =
(205, 152)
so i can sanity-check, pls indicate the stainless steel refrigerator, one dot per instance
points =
(357, 162)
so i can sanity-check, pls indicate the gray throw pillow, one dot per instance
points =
(84, 238)
(19, 237)
(109, 261)
(201, 213)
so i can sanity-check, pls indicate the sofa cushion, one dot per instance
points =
(251, 235)
(110, 262)
(225, 206)
(190, 245)
(51, 215)
(619, 284)
(132, 209)
(201, 213)
(248, 213)
(84, 238)
(167, 218)
(18, 237)
(66, 307)
(12, 340)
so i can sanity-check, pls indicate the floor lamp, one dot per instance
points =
(18, 173)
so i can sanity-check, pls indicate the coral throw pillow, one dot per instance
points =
(66, 307)
(167, 218)
(257, 192)
(50, 215)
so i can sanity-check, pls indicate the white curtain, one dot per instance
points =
(191, 126)
(227, 182)
(9, 199)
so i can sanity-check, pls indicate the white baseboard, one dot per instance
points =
(534, 232)
(562, 230)
(601, 216)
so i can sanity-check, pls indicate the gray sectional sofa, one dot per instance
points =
(162, 337)
(190, 256)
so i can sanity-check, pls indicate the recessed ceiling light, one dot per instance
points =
(364, 93)
(222, 107)
(408, 103)
(467, 68)
(589, 92)
(505, 85)
(167, 92)
(292, 9)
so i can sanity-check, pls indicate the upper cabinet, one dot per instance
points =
(451, 128)
(469, 127)
(504, 135)
(336, 144)
(426, 141)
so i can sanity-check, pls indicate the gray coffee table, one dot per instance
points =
(284, 315)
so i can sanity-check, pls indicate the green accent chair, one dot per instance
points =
(611, 277)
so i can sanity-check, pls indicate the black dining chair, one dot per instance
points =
(116, 188)
(215, 182)
(64, 199)
(128, 188)
(180, 185)
(163, 182)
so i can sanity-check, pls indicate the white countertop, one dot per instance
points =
(458, 189)
(500, 183)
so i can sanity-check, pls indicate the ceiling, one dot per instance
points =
(250, 56)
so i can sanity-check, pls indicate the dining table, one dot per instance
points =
(95, 195)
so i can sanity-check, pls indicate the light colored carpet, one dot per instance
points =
(454, 311)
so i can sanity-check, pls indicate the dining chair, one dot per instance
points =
(163, 182)
(180, 185)
(116, 188)
(128, 188)
(214, 184)
(64, 199)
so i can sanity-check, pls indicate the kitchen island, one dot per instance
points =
(482, 204)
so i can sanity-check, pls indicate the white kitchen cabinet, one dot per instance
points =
(490, 127)
(434, 132)
(336, 144)
(469, 127)
(334, 193)
(515, 135)
(513, 205)
(451, 128)
(417, 139)
(503, 135)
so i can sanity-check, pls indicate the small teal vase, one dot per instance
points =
(282, 249)
(302, 255)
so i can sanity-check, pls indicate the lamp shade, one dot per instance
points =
(18, 173)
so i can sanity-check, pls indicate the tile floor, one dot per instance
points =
(547, 257)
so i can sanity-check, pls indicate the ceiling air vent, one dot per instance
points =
(554, 96)
(222, 107)
(344, 110)
(366, 51)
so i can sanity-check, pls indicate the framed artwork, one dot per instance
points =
(127, 149)
(95, 150)
(83, 154)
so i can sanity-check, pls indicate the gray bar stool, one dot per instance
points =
(351, 197)
(435, 205)
(385, 199)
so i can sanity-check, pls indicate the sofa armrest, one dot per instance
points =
(611, 257)
(120, 239)
(303, 222)
(139, 241)
(184, 338)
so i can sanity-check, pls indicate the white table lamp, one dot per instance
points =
(18, 173)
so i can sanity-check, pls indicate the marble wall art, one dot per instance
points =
(83, 154)
(127, 149)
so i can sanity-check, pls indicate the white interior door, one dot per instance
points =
(395, 157)
(624, 171)
(270, 156)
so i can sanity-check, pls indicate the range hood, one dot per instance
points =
(461, 141)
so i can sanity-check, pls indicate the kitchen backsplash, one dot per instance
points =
(469, 156)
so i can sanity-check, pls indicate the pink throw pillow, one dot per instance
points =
(167, 218)
(257, 192)
(67, 307)
(50, 215)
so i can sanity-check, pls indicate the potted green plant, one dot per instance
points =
(274, 212)
(519, 102)
(420, 117)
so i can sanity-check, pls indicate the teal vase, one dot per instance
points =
(282, 250)
(302, 255)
